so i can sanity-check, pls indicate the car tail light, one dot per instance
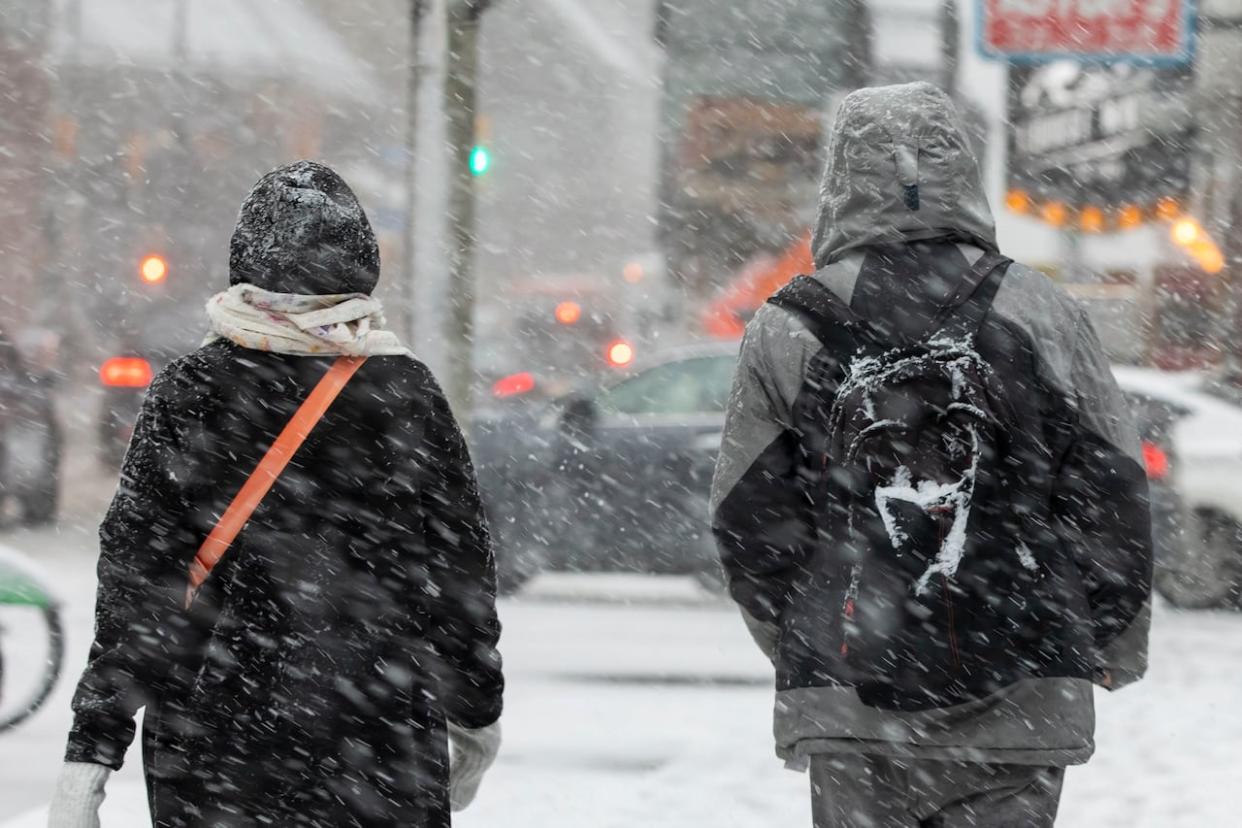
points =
(514, 385)
(126, 372)
(619, 353)
(1156, 460)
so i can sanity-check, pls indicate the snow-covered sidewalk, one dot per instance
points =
(642, 702)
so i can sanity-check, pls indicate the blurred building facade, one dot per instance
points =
(25, 92)
(159, 117)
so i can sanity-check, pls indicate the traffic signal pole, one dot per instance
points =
(460, 93)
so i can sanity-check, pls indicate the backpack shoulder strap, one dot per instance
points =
(970, 303)
(829, 319)
(265, 474)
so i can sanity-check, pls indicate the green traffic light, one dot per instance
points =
(480, 160)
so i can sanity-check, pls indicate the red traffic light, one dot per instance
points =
(153, 269)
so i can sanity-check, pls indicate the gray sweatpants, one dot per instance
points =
(851, 790)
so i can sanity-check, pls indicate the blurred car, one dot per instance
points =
(31, 441)
(616, 475)
(124, 380)
(612, 477)
(1203, 436)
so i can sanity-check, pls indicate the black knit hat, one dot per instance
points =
(302, 230)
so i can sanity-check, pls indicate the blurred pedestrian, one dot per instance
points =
(307, 654)
(930, 499)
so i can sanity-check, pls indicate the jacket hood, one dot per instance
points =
(899, 169)
(302, 230)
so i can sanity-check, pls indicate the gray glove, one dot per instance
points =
(471, 754)
(79, 793)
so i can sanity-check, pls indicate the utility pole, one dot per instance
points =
(413, 82)
(950, 48)
(460, 91)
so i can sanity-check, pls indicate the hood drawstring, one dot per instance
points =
(908, 174)
(899, 169)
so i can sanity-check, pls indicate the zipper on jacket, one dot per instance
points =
(954, 652)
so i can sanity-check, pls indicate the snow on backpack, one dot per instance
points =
(923, 547)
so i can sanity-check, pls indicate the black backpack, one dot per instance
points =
(931, 577)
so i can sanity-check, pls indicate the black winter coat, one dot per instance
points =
(354, 614)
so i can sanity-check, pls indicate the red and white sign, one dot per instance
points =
(1145, 30)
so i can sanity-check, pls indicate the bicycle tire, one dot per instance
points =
(51, 672)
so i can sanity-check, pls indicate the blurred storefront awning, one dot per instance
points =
(271, 38)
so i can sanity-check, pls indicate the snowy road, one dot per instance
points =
(642, 702)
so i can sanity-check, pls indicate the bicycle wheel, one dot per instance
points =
(29, 614)
(35, 697)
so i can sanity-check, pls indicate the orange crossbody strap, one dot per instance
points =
(264, 476)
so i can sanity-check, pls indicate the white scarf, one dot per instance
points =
(307, 325)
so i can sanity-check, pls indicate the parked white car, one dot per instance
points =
(1204, 440)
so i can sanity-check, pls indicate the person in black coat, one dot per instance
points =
(350, 629)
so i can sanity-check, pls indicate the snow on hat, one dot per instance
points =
(302, 230)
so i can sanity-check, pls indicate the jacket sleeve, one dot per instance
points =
(1103, 508)
(760, 509)
(464, 627)
(140, 570)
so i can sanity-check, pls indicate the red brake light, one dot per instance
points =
(514, 385)
(1156, 461)
(126, 372)
(620, 353)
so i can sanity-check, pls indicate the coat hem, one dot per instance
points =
(1046, 757)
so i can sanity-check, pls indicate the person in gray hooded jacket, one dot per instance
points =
(935, 637)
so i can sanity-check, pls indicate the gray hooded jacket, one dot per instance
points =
(902, 216)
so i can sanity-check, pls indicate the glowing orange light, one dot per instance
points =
(1168, 208)
(633, 273)
(1129, 217)
(1091, 219)
(567, 313)
(620, 353)
(1207, 254)
(153, 269)
(1055, 213)
(125, 372)
(1018, 201)
(1185, 231)
(1213, 261)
